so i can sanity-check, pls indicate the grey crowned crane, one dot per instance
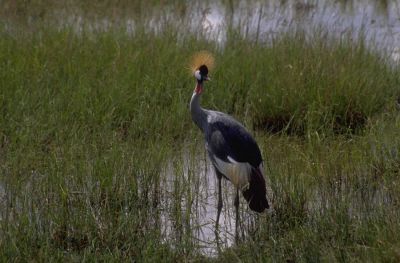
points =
(233, 152)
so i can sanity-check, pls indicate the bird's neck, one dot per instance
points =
(199, 115)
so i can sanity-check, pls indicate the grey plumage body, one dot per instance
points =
(233, 152)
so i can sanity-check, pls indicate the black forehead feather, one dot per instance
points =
(203, 70)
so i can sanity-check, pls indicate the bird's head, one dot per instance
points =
(201, 74)
(201, 63)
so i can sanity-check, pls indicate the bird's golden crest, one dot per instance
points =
(201, 58)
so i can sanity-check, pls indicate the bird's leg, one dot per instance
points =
(236, 203)
(219, 202)
(219, 176)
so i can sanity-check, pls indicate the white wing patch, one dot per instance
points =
(238, 173)
(209, 118)
(232, 160)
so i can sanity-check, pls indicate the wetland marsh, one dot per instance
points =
(100, 160)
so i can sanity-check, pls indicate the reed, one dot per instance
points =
(100, 160)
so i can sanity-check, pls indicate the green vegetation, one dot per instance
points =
(92, 121)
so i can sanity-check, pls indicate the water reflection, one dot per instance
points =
(196, 179)
(377, 21)
(258, 20)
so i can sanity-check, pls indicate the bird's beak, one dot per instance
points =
(207, 78)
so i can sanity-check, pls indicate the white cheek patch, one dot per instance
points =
(197, 75)
(238, 173)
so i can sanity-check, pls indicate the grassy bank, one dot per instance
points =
(91, 121)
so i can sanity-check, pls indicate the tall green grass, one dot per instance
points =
(300, 85)
(91, 121)
(336, 199)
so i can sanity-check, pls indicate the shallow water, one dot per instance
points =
(359, 197)
(194, 173)
(188, 202)
(378, 22)
(202, 182)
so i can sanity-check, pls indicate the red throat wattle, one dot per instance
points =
(199, 88)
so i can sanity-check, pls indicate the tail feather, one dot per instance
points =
(255, 194)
